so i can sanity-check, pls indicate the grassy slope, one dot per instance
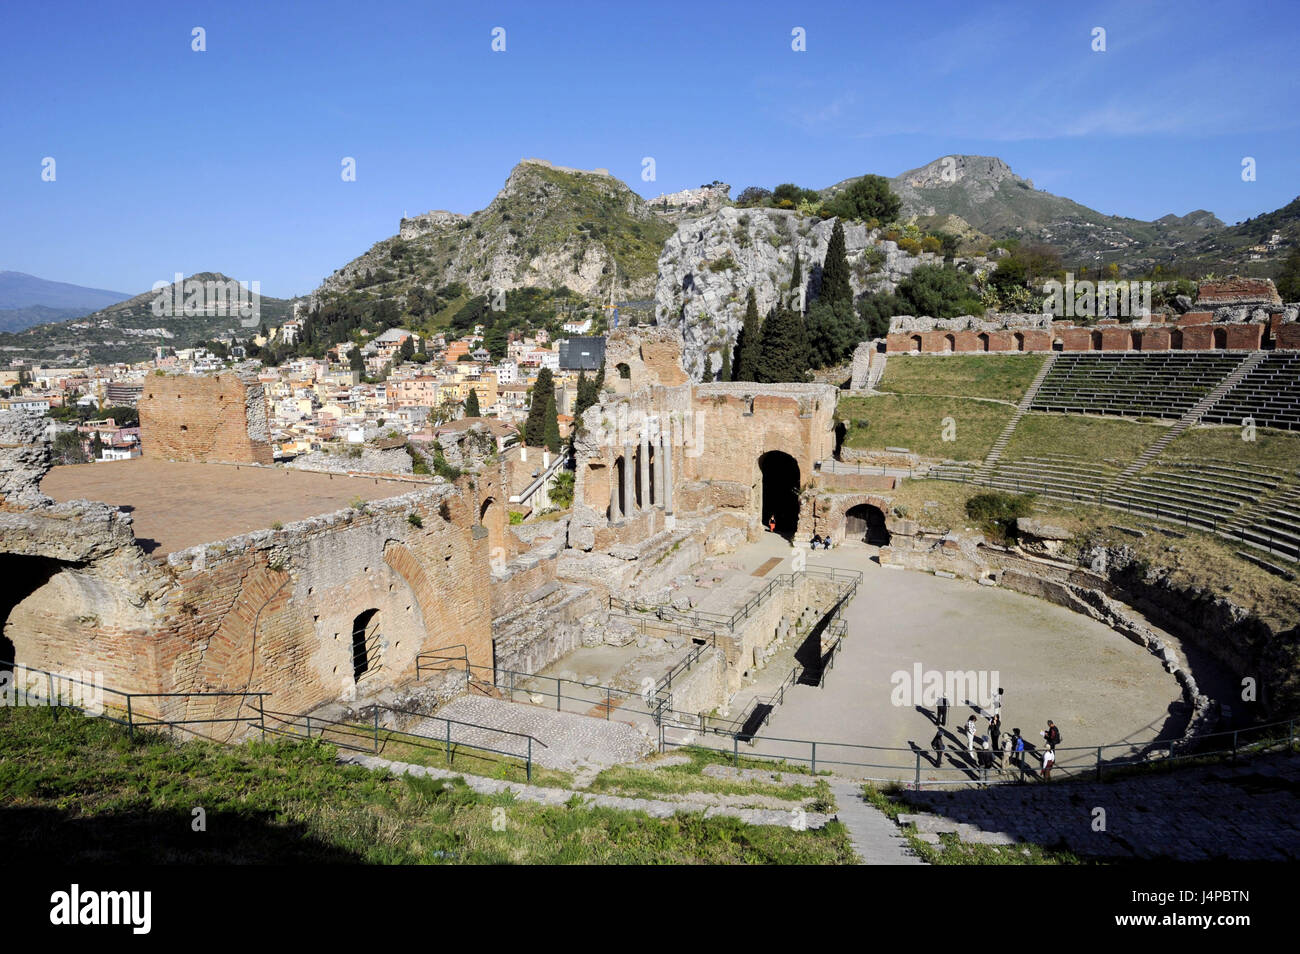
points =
(997, 377)
(917, 423)
(1078, 435)
(1270, 448)
(80, 791)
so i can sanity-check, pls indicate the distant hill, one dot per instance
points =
(26, 300)
(130, 330)
(984, 192)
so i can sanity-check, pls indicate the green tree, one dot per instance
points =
(406, 350)
(749, 342)
(834, 330)
(868, 198)
(796, 283)
(551, 425)
(68, 449)
(355, 361)
(835, 271)
(938, 292)
(1288, 279)
(783, 353)
(875, 310)
(471, 404)
(725, 373)
(535, 425)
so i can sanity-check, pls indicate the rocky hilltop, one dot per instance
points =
(709, 264)
(549, 227)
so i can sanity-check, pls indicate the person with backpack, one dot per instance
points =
(940, 745)
(1018, 747)
(941, 713)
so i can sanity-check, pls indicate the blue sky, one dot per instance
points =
(171, 160)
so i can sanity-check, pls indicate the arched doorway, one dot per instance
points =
(866, 522)
(491, 518)
(23, 576)
(1221, 338)
(916, 342)
(949, 344)
(620, 482)
(365, 643)
(1020, 341)
(984, 340)
(841, 432)
(780, 478)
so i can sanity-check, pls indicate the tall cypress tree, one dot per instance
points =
(748, 342)
(835, 270)
(471, 404)
(535, 426)
(783, 355)
(796, 284)
(725, 373)
(551, 425)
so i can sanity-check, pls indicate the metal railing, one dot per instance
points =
(128, 713)
(908, 765)
(338, 733)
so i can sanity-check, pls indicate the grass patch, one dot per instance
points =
(82, 791)
(689, 778)
(1270, 448)
(1079, 435)
(997, 377)
(920, 424)
(947, 497)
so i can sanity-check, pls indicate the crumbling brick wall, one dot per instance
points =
(220, 417)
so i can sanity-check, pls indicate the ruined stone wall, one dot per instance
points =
(220, 417)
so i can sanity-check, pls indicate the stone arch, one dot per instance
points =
(1176, 339)
(1019, 339)
(779, 477)
(1094, 341)
(1221, 338)
(23, 576)
(624, 370)
(915, 342)
(866, 522)
(983, 338)
(949, 343)
(619, 480)
(491, 515)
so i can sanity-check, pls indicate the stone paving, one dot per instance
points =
(1247, 811)
(570, 741)
(875, 839)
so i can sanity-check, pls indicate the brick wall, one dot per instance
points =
(200, 418)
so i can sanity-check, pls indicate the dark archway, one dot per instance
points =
(23, 576)
(866, 522)
(1221, 338)
(780, 476)
(841, 432)
(1020, 341)
(365, 643)
(984, 340)
(619, 477)
(916, 342)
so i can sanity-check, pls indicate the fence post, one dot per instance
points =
(54, 710)
(814, 757)
(1234, 745)
(309, 728)
(917, 784)
(261, 713)
(735, 748)
(448, 721)
(528, 767)
(376, 730)
(130, 721)
(608, 704)
(1099, 763)
(558, 693)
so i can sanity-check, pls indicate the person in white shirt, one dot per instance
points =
(1049, 759)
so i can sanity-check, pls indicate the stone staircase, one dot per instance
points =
(1026, 402)
(1193, 415)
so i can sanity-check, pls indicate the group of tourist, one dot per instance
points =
(995, 749)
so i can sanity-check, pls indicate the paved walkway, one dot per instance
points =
(875, 839)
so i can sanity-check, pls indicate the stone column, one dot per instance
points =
(615, 515)
(645, 467)
(666, 452)
(659, 469)
(629, 478)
